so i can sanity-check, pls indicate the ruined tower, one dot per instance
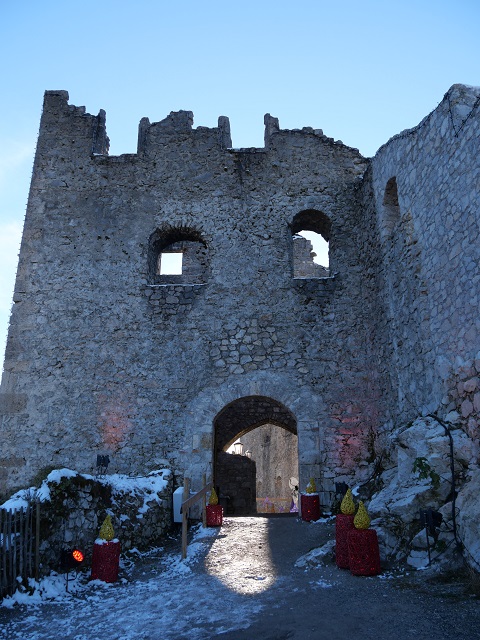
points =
(110, 352)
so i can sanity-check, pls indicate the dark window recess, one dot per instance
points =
(177, 256)
(306, 262)
(391, 208)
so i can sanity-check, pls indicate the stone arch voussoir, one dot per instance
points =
(301, 401)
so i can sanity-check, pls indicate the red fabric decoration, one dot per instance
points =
(310, 504)
(105, 561)
(214, 515)
(363, 552)
(343, 524)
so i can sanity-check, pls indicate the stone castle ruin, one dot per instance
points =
(111, 351)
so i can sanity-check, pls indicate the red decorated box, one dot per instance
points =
(214, 515)
(343, 524)
(363, 552)
(105, 560)
(310, 506)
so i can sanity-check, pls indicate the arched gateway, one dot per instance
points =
(235, 475)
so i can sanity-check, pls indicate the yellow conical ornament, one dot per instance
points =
(106, 530)
(213, 497)
(347, 507)
(311, 486)
(362, 519)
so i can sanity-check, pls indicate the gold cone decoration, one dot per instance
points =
(362, 519)
(106, 530)
(311, 486)
(347, 506)
(213, 497)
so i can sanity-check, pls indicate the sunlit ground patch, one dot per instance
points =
(240, 558)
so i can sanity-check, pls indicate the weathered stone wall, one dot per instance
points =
(74, 506)
(303, 264)
(101, 357)
(106, 355)
(426, 185)
(275, 453)
(235, 482)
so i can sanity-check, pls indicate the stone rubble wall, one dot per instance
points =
(235, 481)
(106, 356)
(303, 264)
(73, 508)
(275, 452)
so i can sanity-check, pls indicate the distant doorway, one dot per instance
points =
(275, 453)
(255, 476)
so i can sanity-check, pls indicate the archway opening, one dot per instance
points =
(311, 237)
(257, 475)
(391, 207)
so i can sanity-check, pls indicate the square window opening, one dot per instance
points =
(170, 263)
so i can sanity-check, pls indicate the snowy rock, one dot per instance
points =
(418, 559)
(316, 556)
(420, 480)
(468, 506)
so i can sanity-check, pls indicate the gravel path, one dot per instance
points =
(241, 582)
(325, 602)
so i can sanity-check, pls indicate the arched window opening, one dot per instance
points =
(177, 255)
(311, 236)
(391, 208)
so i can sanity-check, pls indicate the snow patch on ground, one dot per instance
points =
(321, 584)
(174, 602)
(53, 588)
(325, 519)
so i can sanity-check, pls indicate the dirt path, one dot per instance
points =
(241, 583)
(256, 556)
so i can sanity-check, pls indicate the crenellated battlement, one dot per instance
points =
(69, 125)
(177, 126)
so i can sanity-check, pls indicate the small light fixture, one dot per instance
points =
(248, 453)
(102, 464)
(71, 558)
(238, 449)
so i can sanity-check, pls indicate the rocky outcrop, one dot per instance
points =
(428, 466)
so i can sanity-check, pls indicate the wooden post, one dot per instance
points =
(11, 569)
(3, 552)
(187, 503)
(37, 540)
(186, 495)
(17, 542)
(204, 502)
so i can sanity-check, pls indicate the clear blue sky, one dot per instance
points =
(361, 71)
